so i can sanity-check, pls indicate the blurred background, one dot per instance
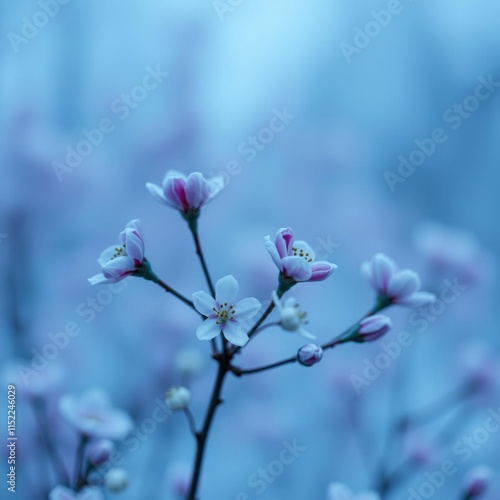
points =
(367, 128)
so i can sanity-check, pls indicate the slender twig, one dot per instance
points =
(176, 294)
(191, 421)
(80, 452)
(201, 437)
(201, 257)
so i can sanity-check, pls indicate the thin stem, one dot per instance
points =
(176, 294)
(203, 263)
(201, 257)
(201, 437)
(191, 421)
(80, 481)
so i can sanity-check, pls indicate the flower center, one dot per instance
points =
(224, 313)
(120, 251)
(299, 252)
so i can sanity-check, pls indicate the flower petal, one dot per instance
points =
(273, 252)
(100, 279)
(284, 241)
(157, 193)
(135, 246)
(403, 284)
(204, 303)
(195, 190)
(305, 334)
(416, 299)
(226, 290)
(383, 269)
(235, 333)
(305, 249)
(106, 256)
(119, 267)
(321, 270)
(214, 186)
(209, 329)
(246, 308)
(296, 268)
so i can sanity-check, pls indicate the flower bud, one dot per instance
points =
(178, 398)
(116, 480)
(100, 451)
(372, 328)
(310, 354)
(477, 480)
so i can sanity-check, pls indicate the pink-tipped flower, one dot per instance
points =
(310, 354)
(186, 193)
(93, 416)
(224, 314)
(63, 493)
(120, 261)
(372, 328)
(395, 286)
(295, 259)
(477, 481)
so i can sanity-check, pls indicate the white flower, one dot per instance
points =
(291, 317)
(178, 398)
(223, 313)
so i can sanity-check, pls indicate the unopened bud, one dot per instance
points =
(310, 354)
(178, 398)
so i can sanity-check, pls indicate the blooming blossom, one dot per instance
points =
(373, 327)
(224, 314)
(338, 491)
(63, 493)
(93, 416)
(295, 259)
(186, 193)
(291, 317)
(397, 286)
(120, 261)
(310, 354)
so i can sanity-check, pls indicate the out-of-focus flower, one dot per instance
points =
(224, 314)
(189, 361)
(186, 193)
(452, 250)
(295, 259)
(63, 493)
(291, 317)
(116, 480)
(118, 262)
(100, 451)
(372, 328)
(477, 481)
(93, 416)
(178, 398)
(338, 491)
(310, 354)
(395, 286)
